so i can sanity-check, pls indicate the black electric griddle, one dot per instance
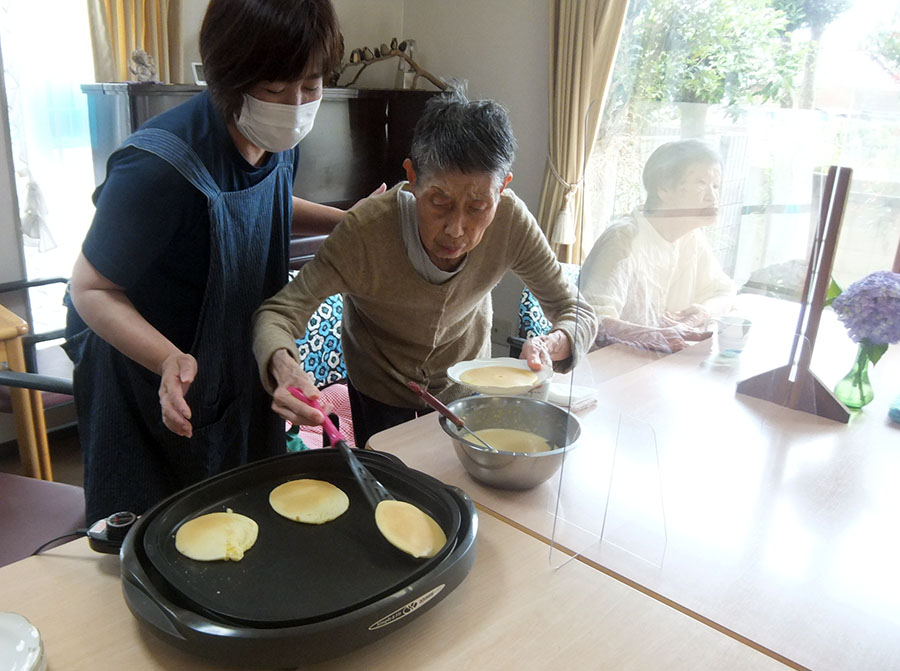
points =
(302, 593)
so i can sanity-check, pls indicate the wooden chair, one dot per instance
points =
(31, 379)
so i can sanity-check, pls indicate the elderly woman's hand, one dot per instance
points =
(669, 339)
(287, 372)
(543, 350)
(665, 339)
(695, 316)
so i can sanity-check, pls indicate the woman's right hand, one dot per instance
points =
(287, 372)
(177, 372)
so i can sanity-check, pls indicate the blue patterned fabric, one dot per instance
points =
(320, 349)
(532, 321)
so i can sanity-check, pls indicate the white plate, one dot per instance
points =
(458, 369)
(20, 644)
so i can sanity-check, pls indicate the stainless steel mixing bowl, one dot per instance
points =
(511, 470)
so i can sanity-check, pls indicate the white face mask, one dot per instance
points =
(273, 126)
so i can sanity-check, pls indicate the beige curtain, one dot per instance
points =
(118, 27)
(584, 35)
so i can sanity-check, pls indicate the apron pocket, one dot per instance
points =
(75, 345)
(221, 443)
(207, 415)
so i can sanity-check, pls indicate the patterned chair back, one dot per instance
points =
(320, 349)
(532, 321)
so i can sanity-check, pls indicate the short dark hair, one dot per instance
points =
(457, 134)
(244, 42)
(669, 161)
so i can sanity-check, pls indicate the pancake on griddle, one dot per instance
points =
(309, 501)
(216, 536)
(409, 529)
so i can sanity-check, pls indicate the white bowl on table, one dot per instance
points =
(21, 647)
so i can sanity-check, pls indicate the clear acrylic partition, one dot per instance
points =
(609, 497)
(610, 492)
(617, 496)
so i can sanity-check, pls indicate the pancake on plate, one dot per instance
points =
(503, 376)
(409, 529)
(309, 501)
(499, 376)
(216, 536)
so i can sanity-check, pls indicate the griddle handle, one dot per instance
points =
(151, 610)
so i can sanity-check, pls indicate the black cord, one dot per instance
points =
(71, 534)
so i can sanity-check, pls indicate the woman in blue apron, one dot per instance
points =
(190, 234)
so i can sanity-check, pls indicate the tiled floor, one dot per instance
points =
(65, 457)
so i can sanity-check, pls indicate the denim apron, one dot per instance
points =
(131, 459)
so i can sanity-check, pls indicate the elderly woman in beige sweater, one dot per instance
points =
(416, 266)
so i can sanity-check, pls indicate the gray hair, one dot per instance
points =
(455, 134)
(669, 161)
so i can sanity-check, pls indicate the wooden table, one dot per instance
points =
(513, 611)
(774, 525)
(28, 407)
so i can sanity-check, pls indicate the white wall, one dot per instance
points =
(504, 56)
(191, 18)
(370, 24)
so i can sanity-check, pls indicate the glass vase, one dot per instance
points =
(855, 390)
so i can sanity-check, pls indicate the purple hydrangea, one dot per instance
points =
(870, 309)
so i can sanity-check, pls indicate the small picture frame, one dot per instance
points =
(199, 77)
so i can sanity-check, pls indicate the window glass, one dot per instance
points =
(781, 89)
(46, 58)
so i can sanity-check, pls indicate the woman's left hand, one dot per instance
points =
(543, 350)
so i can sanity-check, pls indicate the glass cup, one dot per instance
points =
(730, 333)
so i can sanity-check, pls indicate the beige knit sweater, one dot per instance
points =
(399, 327)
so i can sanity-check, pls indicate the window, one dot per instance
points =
(782, 89)
(46, 59)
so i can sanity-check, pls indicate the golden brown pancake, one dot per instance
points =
(309, 501)
(216, 536)
(499, 376)
(409, 529)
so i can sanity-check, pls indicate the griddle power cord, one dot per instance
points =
(103, 535)
(71, 534)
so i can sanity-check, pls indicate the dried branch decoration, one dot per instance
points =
(363, 57)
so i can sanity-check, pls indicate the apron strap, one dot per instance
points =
(179, 154)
